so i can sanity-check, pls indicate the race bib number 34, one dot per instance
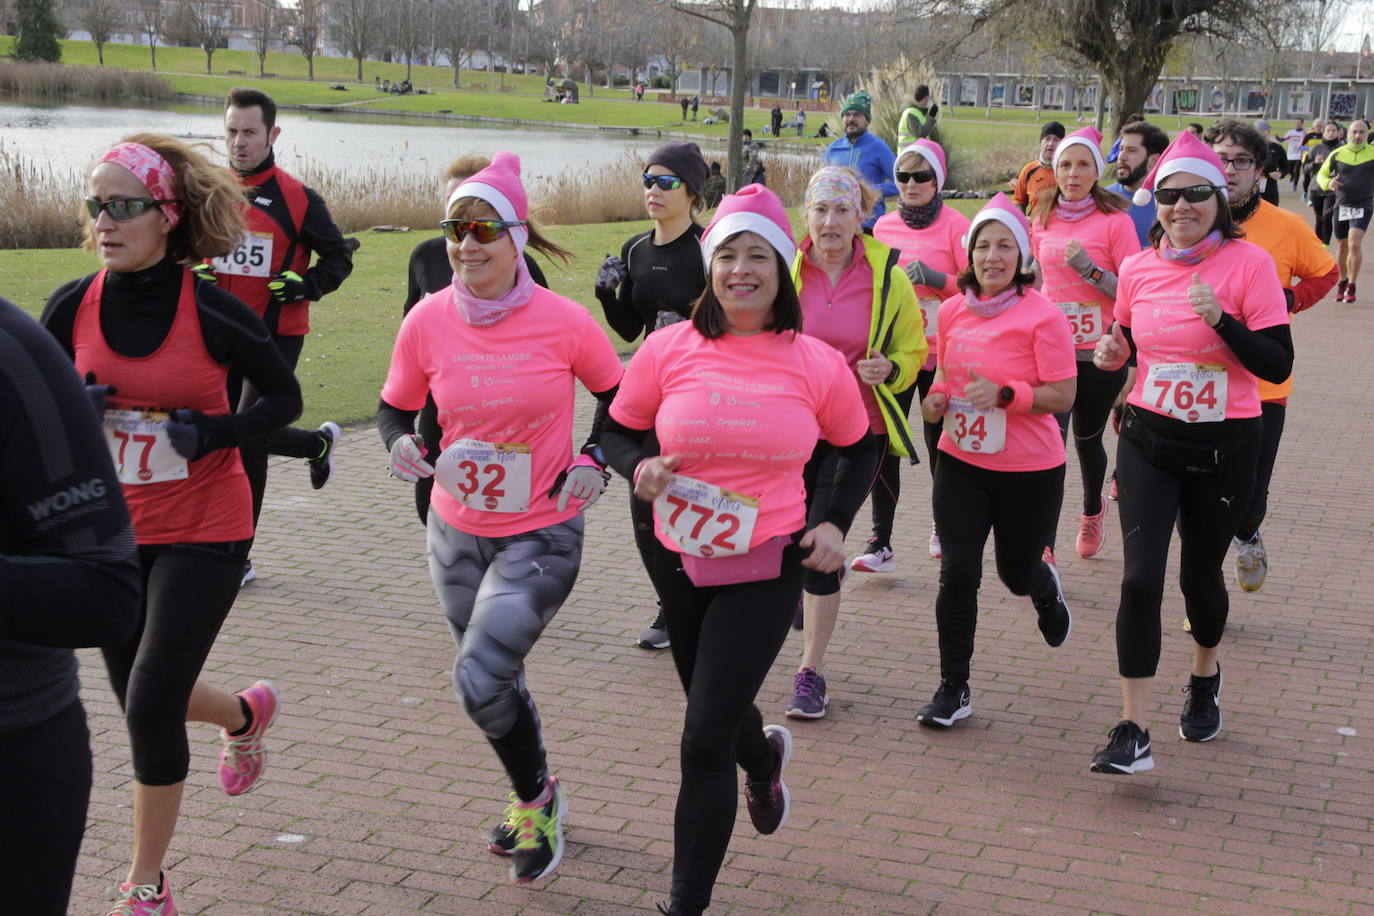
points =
(1085, 320)
(140, 448)
(486, 476)
(706, 520)
(1191, 392)
(252, 257)
(981, 431)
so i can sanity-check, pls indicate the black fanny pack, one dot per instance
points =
(1192, 459)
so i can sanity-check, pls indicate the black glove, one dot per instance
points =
(287, 287)
(99, 394)
(194, 434)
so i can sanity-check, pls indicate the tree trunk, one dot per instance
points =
(153, 49)
(310, 68)
(739, 82)
(209, 55)
(100, 52)
(360, 68)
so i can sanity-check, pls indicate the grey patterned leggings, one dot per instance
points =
(498, 595)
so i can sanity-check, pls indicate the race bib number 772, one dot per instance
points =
(706, 520)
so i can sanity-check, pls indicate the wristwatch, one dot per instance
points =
(595, 453)
(1005, 396)
(1095, 276)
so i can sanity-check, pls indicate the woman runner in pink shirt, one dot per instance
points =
(1201, 315)
(1080, 235)
(738, 399)
(1006, 364)
(929, 239)
(500, 356)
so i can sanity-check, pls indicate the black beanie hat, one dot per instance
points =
(1052, 127)
(685, 161)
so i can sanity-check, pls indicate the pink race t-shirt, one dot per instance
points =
(1029, 342)
(743, 413)
(1174, 346)
(842, 315)
(1109, 239)
(506, 383)
(940, 246)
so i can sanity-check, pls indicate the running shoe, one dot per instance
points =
(249, 573)
(1350, 293)
(768, 800)
(878, 559)
(1127, 751)
(1201, 718)
(1055, 620)
(244, 756)
(655, 635)
(1340, 290)
(809, 698)
(322, 465)
(539, 833)
(144, 900)
(1092, 533)
(1252, 563)
(1112, 493)
(501, 839)
(935, 550)
(950, 704)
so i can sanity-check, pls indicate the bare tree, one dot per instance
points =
(356, 26)
(452, 28)
(206, 22)
(264, 28)
(308, 31)
(406, 30)
(100, 18)
(150, 22)
(735, 16)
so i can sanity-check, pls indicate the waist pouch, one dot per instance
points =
(1176, 456)
(759, 563)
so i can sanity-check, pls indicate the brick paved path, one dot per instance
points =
(379, 787)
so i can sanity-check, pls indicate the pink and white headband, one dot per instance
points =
(156, 173)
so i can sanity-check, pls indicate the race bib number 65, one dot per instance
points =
(706, 520)
(251, 258)
(973, 430)
(140, 448)
(1191, 392)
(486, 476)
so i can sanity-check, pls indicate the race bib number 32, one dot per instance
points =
(1085, 320)
(251, 258)
(1191, 392)
(973, 430)
(486, 476)
(706, 520)
(140, 448)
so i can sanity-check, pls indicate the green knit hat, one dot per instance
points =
(861, 102)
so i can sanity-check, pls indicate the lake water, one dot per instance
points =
(68, 138)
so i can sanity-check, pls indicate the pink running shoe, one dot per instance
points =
(144, 900)
(1092, 532)
(243, 758)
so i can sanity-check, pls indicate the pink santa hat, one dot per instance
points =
(1090, 137)
(1185, 154)
(753, 208)
(1000, 209)
(932, 153)
(499, 185)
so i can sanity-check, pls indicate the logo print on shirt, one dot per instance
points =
(263, 201)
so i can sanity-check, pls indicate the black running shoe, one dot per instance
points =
(538, 835)
(950, 704)
(768, 800)
(1055, 619)
(501, 838)
(322, 465)
(1127, 751)
(1201, 719)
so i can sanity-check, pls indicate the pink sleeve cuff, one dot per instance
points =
(939, 388)
(1024, 397)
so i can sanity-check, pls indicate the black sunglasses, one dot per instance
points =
(122, 209)
(484, 230)
(664, 182)
(1194, 194)
(920, 177)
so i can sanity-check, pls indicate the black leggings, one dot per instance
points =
(1092, 405)
(46, 773)
(188, 590)
(1207, 509)
(887, 489)
(642, 517)
(1018, 507)
(725, 640)
(288, 441)
(1322, 212)
(819, 477)
(1273, 414)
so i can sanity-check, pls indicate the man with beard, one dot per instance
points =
(1318, 197)
(1138, 150)
(1349, 172)
(1301, 259)
(863, 152)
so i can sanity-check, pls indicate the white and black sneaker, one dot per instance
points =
(322, 465)
(1127, 751)
(1055, 620)
(1201, 719)
(655, 635)
(950, 704)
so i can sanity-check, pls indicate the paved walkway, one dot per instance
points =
(379, 788)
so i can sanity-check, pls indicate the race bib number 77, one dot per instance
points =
(140, 448)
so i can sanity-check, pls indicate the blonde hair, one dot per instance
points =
(211, 202)
(464, 167)
(476, 208)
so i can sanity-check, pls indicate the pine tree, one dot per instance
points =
(39, 31)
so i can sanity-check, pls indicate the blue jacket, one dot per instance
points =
(873, 160)
(1143, 217)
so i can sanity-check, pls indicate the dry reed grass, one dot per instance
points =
(42, 205)
(59, 81)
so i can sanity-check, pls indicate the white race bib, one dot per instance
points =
(981, 431)
(1191, 392)
(930, 313)
(252, 257)
(140, 448)
(706, 520)
(486, 476)
(1346, 214)
(1085, 320)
